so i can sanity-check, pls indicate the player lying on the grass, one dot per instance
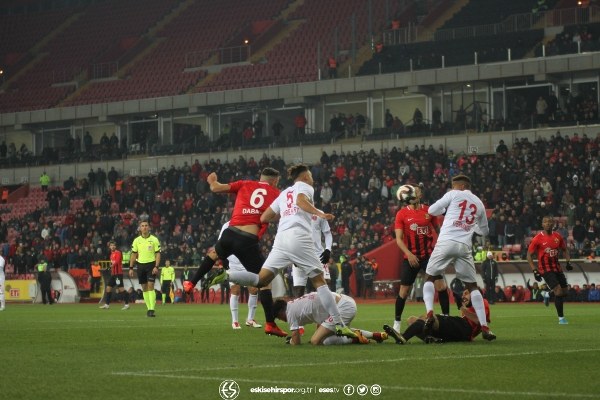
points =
(308, 309)
(445, 328)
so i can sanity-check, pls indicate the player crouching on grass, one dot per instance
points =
(445, 328)
(309, 309)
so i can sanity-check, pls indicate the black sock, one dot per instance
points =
(107, 297)
(203, 269)
(125, 296)
(444, 302)
(558, 303)
(414, 329)
(266, 299)
(457, 299)
(399, 307)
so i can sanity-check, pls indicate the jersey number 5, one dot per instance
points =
(469, 219)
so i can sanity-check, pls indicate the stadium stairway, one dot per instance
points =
(35, 51)
(175, 12)
(153, 41)
(289, 28)
(427, 33)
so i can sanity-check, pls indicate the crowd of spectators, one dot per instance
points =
(519, 185)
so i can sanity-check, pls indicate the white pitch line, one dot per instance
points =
(330, 384)
(362, 361)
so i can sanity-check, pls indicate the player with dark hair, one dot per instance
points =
(547, 244)
(414, 236)
(116, 277)
(242, 236)
(445, 328)
(464, 216)
(294, 244)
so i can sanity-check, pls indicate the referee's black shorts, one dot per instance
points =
(243, 245)
(144, 272)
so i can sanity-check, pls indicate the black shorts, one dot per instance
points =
(243, 245)
(165, 287)
(116, 281)
(144, 272)
(453, 329)
(553, 279)
(408, 275)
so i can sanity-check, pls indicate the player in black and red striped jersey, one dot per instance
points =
(241, 238)
(116, 277)
(445, 328)
(548, 244)
(414, 236)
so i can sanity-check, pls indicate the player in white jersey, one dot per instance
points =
(309, 309)
(464, 216)
(2, 278)
(320, 227)
(294, 243)
(236, 265)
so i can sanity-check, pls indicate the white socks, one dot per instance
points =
(328, 300)
(333, 340)
(233, 306)
(477, 302)
(252, 301)
(428, 294)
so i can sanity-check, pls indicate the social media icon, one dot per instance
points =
(229, 390)
(348, 390)
(375, 390)
(362, 390)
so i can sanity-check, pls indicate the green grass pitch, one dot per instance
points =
(82, 352)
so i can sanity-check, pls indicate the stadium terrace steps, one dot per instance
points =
(287, 31)
(175, 12)
(291, 9)
(444, 17)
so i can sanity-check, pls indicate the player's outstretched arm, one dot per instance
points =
(305, 204)
(215, 185)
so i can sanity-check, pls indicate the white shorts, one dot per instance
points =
(347, 307)
(451, 252)
(294, 246)
(299, 278)
(235, 265)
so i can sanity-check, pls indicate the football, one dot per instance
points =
(405, 193)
